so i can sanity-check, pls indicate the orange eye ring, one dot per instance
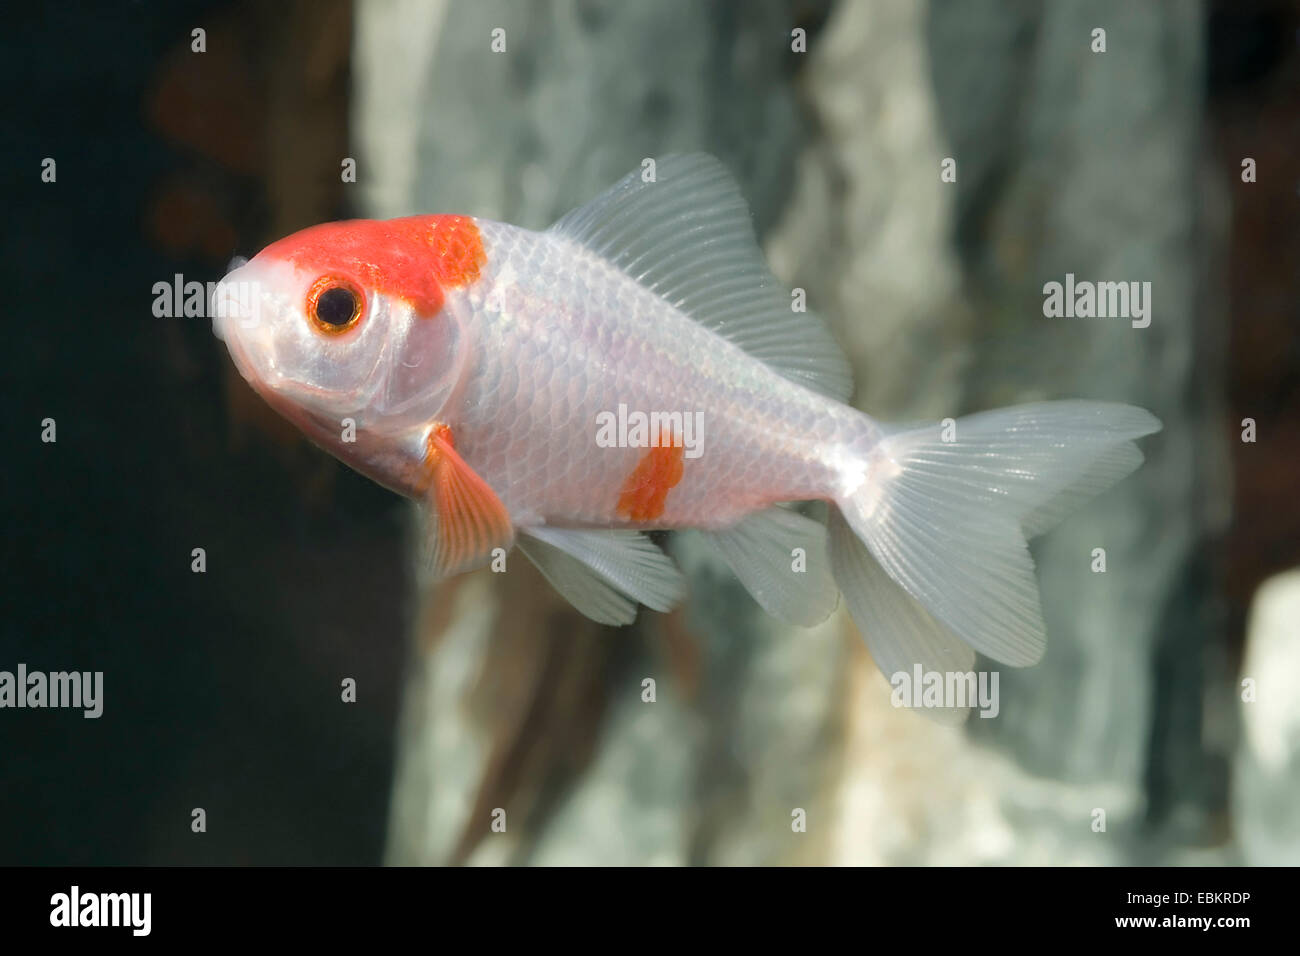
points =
(334, 305)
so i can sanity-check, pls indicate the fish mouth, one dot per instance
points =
(236, 310)
(242, 337)
(239, 355)
(223, 308)
(222, 294)
(217, 329)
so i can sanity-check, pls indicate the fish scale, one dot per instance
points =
(528, 423)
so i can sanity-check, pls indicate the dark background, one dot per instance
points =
(222, 689)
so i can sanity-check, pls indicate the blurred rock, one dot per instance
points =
(1067, 161)
(1266, 774)
(1091, 163)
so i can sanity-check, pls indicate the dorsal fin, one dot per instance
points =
(687, 236)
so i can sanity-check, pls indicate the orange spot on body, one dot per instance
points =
(414, 258)
(657, 473)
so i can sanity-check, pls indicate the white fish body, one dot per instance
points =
(637, 367)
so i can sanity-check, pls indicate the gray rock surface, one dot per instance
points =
(1266, 773)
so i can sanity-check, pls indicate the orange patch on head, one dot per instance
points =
(656, 474)
(457, 248)
(414, 258)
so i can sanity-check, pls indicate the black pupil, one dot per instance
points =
(335, 306)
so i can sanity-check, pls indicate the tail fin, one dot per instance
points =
(930, 550)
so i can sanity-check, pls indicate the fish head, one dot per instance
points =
(344, 319)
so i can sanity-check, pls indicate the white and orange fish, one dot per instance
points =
(637, 367)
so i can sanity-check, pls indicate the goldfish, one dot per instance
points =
(637, 367)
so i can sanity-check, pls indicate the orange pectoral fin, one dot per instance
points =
(466, 519)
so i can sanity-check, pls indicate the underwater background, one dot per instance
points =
(1169, 697)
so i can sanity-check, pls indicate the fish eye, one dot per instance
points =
(334, 305)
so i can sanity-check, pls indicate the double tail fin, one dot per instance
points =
(930, 550)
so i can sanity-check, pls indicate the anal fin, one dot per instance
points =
(780, 556)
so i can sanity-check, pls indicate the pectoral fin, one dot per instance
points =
(464, 519)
